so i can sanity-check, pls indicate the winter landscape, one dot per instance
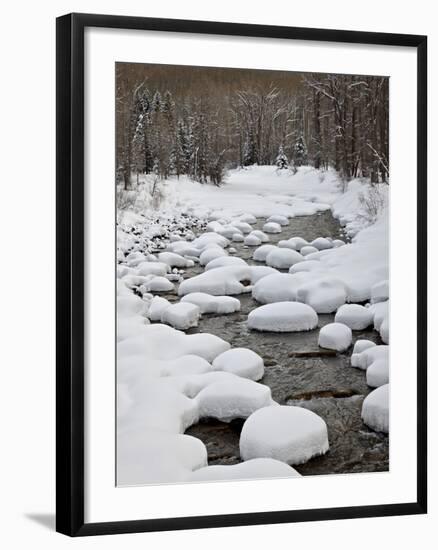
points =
(252, 274)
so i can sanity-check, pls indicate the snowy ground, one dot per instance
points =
(197, 245)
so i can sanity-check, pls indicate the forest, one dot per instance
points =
(200, 122)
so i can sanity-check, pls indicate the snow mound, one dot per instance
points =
(283, 258)
(237, 398)
(260, 271)
(183, 248)
(362, 345)
(257, 468)
(337, 243)
(262, 252)
(354, 316)
(212, 304)
(152, 268)
(207, 239)
(380, 312)
(130, 304)
(243, 227)
(375, 409)
(325, 295)
(364, 359)
(272, 227)
(252, 240)
(283, 317)
(242, 362)
(291, 434)
(211, 253)
(260, 235)
(238, 238)
(158, 341)
(306, 250)
(174, 260)
(384, 331)
(277, 218)
(298, 242)
(278, 287)
(181, 316)
(335, 336)
(224, 261)
(248, 218)
(155, 457)
(287, 244)
(308, 265)
(380, 292)
(321, 243)
(156, 308)
(378, 373)
(222, 281)
(159, 284)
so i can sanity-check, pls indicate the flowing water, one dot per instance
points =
(299, 373)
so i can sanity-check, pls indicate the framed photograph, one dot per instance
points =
(241, 274)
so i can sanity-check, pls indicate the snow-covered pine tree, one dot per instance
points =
(300, 151)
(281, 161)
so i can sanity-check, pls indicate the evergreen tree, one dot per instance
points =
(300, 151)
(281, 161)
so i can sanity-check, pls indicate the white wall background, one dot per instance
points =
(27, 203)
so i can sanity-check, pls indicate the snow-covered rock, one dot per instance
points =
(243, 227)
(242, 362)
(287, 244)
(375, 409)
(248, 218)
(291, 434)
(380, 312)
(156, 308)
(283, 258)
(183, 248)
(222, 281)
(224, 261)
(308, 265)
(130, 304)
(384, 330)
(306, 250)
(152, 268)
(362, 345)
(181, 316)
(208, 239)
(378, 373)
(237, 398)
(380, 292)
(257, 468)
(159, 284)
(321, 243)
(211, 253)
(212, 304)
(158, 341)
(335, 336)
(152, 456)
(298, 242)
(278, 287)
(283, 317)
(325, 294)
(364, 359)
(272, 227)
(238, 238)
(262, 252)
(260, 235)
(260, 271)
(337, 243)
(174, 260)
(277, 218)
(354, 316)
(252, 240)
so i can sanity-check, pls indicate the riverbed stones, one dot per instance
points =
(335, 336)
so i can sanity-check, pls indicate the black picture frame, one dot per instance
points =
(70, 273)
